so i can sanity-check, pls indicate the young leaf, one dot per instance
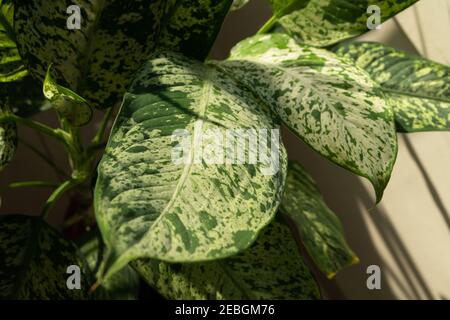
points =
(68, 104)
(325, 22)
(11, 65)
(124, 285)
(34, 261)
(329, 103)
(319, 228)
(99, 59)
(148, 204)
(418, 89)
(270, 269)
(193, 26)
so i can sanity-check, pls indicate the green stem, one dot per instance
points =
(44, 157)
(33, 184)
(268, 25)
(54, 197)
(101, 130)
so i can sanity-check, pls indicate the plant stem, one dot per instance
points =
(268, 25)
(101, 130)
(58, 170)
(54, 197)
(32, 184)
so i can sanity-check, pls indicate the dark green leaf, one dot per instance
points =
(271, 269)
(319, 228)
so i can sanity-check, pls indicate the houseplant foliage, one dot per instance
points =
(196, 229)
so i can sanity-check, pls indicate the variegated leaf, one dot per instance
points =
(193, 26)
(319, 228)
(11, 65)
(98, 60)
(66, 102)
(238, 4)
(150, 205)
(271, 269)
(329, 103)
(34, 261)
(8, 143)
(418, 89)
(124, 285)
(325, 22)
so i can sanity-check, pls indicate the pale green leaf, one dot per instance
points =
(66, 102)
(124, 285)
(150, 206)
(193, 26)
(418, 89)
(270, 269)
(34, 261)
(326, 101)
(238, 4)
(319, 228)
(11, 65)
(98, 60)
(325, 22)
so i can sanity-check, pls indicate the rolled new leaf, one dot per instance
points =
(270, 269)
(66, 102)
(202, 206)
(319, 228)
(35, 261)
(322, 23)
(418, 89)
(329, 103)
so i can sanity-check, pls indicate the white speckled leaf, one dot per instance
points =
(98, 60)
(418, 89)
(238, 4)
(11, 65)
(124, 285)
(193, 26)
(326, 101)
(319, 228)
(325, 22)
(34, 261)
(66, 102)
(270, 269)
(149, 206)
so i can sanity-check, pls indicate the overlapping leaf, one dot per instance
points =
(325, 22)
(319, 228)
(34, 261)
(271, 269)
(11, 65)
(329, 103)
(98, 60)
(150, 206)
(192, 26)
(418, 89)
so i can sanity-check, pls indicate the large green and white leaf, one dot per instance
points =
(319, 228)
(193, 26)
(271, 269)
(325, 22)
(124, 285)
(67, 103)
(98, 60)
(329, 103)
(11, 65)
(418, 89)
(34, 261)
(150, 205)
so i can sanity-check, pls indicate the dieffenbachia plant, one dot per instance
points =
(189, 227)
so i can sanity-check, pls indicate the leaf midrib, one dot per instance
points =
(414, 95)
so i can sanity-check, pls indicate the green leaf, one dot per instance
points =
(271, 269)
(34, 261)
(124, 285)
(325, 22)
(238, 4)
(68, 104)
(329, 103)
(418, 89)
(98, 60)
(193, 26)
(150, 206)
(11, 65)
(8, 143)
(319, 228)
